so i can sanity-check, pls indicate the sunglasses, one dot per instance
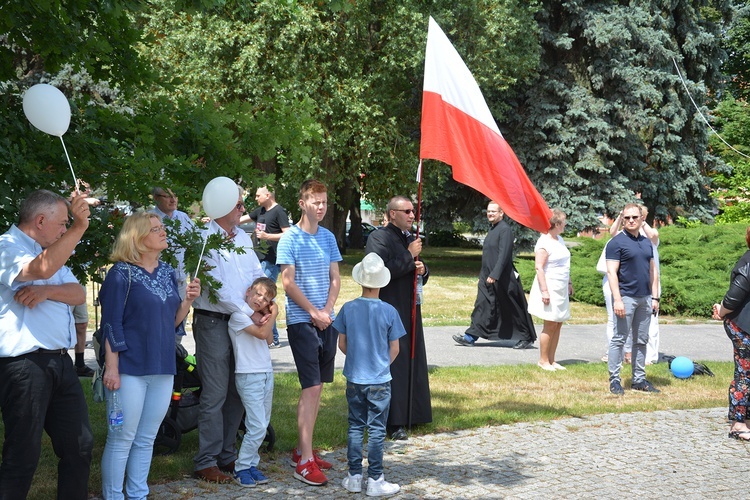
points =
(632, 217)
(407, 211)
(240, 206)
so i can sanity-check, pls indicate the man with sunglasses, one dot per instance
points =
(634, 281)
(221, 409)
(399, 250)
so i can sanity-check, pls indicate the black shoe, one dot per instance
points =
(399, 434)
(615, 387)
(84, 371)
(524, 344)
(645, 386)
(461, 340)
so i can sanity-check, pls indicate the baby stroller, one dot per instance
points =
(182, 415)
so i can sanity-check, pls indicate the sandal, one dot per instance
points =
(736, 435)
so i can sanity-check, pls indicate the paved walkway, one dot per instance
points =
(646, 455)
(658, 454)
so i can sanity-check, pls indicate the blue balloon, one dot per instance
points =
(682, 367)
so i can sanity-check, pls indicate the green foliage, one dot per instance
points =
(192, 242)
(608, 118)
(450, 239)
(732, 120)
(44, 36)
(695, 264)
(737, 44)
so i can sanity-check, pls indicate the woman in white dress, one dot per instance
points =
(549, 297)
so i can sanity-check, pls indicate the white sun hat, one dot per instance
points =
(371, 272)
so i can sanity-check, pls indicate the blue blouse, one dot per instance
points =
(143, 333)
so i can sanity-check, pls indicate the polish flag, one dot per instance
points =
(458, 129)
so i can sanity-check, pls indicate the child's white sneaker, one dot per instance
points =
(381, 487)
(352, 484)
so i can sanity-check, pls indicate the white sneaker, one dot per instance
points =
(381, 487)
(352, 484)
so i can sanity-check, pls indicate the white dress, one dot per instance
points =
(557, 274)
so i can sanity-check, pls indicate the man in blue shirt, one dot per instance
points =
(37, 376)
(634, 281)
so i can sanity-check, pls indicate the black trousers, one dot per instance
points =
(41, 391)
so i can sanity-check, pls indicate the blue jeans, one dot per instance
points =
(220, 406)
(368, 409)
(42, 392)
(145, 400)
(636, 321)
(272, 272)
(256, 392)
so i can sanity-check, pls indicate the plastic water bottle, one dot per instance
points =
(114, 411)
(419, 289)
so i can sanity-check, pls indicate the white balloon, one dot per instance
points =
(220, 197)
(47, 109)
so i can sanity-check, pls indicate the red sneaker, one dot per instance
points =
(309, 473)
(322, 464)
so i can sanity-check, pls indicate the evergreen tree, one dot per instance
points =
(608, 117)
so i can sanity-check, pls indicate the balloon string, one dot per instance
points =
(205, 240)
(701, 114)
(75, 179)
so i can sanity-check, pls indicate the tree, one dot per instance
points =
(351, 70)
(731, 118)
(608, 117)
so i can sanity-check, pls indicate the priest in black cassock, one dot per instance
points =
(398, 248)
(500, 310)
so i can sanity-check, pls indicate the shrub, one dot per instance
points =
(695, 266)
(443, 238)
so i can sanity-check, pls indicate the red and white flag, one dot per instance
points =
(458, 129)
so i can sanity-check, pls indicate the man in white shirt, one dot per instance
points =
(221, 409)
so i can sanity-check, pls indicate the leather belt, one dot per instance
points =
(212, 314)
(58, 352)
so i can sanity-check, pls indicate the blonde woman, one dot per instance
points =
(141, 312)
(550, 292)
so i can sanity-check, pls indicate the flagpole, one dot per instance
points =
(414, 304)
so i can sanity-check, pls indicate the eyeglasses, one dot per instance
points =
(240, 206)
(631, 217)
(407, 211)
(158, 229)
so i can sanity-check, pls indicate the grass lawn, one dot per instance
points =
(462, 398)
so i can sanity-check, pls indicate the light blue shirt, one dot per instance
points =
(186, 224)
(369, 325)
(48, 325)
(311, 255)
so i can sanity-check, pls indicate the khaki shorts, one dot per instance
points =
(81, 314)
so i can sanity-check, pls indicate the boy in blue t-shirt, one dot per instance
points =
(369, 330)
